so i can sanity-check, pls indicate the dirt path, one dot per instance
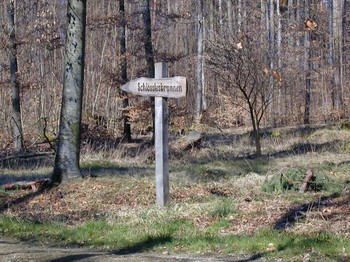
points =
(17, 251)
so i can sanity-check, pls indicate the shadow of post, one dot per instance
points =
(149, 243)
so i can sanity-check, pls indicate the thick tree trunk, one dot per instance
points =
(68, 151)
(16, 103)
(124, 76)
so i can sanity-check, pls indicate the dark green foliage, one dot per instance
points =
(288, 180)
(345, 125)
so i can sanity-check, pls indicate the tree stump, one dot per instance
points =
(187, 142)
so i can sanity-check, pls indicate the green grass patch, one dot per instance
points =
(98, 164)
(223, 209)
(179, 235)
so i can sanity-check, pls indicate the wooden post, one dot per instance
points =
(160, 88)
(161, 141)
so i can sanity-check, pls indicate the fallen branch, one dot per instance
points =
(33, 185)
(187, 142)
(184, 143)
(310, 177)
(24, 156)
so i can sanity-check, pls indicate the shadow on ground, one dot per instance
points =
(17, 201)
(299, 212)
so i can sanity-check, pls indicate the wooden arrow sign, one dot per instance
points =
(161, 87)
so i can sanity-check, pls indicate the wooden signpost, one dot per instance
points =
(161, 88)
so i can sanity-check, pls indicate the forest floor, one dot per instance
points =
(119, 185)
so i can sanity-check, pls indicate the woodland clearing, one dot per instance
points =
(224, 201)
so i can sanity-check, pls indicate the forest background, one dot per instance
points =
(280, 62)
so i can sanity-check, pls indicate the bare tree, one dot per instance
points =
(174, 34)
(68, 149)
(241, 69)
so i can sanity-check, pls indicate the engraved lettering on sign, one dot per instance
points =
(164, 87)
(160, 87)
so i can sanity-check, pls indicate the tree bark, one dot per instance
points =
(68, 151)
(17, 130)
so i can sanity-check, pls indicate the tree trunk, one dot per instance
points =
(239, 16)
(331, 52)
(271, 42)
(291, 21)
(221, 20)
(147, 34)
(229, 16)
(199, 63)
(263, 21)
(16, 103)
(256, 128)
(124, 76)
(337, 55)
(279, 56)
(307, 67)
(68, 148)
